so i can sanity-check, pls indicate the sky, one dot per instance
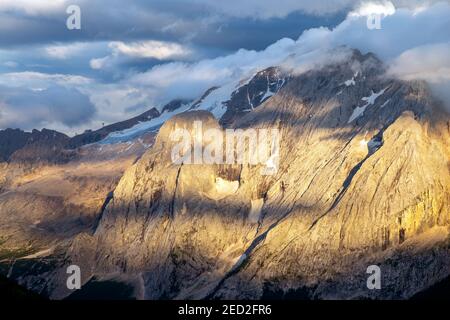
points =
(130, 56)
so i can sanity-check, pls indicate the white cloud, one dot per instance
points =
(150, 49)
(430, 63)
(69, 103)
(402, 30)
(66, 51)
(33, 7)
(147, 49)
(35, 100)
(99, 63)
(413, 42)
(39, 80)
(365, 9)
(188, 80)
(10, 64)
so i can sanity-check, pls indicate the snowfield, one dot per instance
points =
(370, 100)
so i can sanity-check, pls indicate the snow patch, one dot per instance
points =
(384, 104)
(142, 127)
(270, 93)
(215, 102)
(267, 95)
(373, 97)
(350, 82)
(370, 100)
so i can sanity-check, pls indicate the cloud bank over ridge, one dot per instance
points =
(413, 41)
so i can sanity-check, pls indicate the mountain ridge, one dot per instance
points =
(363, 179)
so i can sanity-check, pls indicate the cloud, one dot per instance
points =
(10, 64)
(150, 49)
(196, 25)
(31, 100)
(33, 7)
(256, 9)
(64, 51)
(99, 63)
(69, 103)
(413, 43)
(267, 9)
(122, 52)
(55, 107)
(430, 63)
(36, 79)
(402, 30)
(384, 8)
(188, 80)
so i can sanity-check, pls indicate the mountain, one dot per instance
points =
(94, 136)
(25, 152)
(18, 145)
(42, 146)
(251, 95)
(363, 179)
(12, 140)
(227, 103)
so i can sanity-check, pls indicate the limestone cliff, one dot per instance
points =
(363, 179)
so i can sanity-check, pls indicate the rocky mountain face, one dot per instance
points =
(363, 179)
(25, 152)
(237, 98)
(18, 145)
(12, 140)
(45, 146)
(90, 136)
(49, 193)
(261, 87)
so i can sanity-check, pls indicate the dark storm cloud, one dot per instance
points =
(261, 33)
(28, 27)
(196, 22)
(211, 23)
(56, 106)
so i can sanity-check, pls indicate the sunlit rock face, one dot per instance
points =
(363, 179)
(49, 194)
(352, 190)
